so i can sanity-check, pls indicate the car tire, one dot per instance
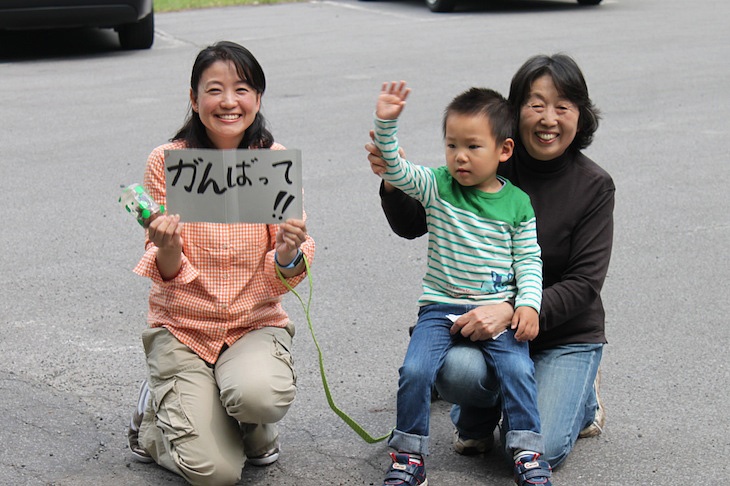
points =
(589, 2)
(441, 5)
(139, 35)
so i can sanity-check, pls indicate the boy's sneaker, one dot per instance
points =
(599, 421)
(530, 469)
(139, 454)
(268, 457)
(471, 447)
(406, 470)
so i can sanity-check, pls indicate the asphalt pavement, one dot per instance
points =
(79, 116)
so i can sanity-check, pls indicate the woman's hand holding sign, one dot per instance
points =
(289, 238)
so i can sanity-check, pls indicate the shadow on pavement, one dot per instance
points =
(32, 45)
(502, 6)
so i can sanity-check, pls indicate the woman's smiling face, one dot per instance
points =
(227, 105)
(548, 121)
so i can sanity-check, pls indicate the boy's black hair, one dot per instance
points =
(249, 70)
(569, 82)
(487, 102)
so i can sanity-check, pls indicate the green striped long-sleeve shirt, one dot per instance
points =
(482, 247)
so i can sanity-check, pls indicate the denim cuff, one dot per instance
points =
(524, 440)
(411, 443)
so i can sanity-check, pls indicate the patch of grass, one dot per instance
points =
(172, 5)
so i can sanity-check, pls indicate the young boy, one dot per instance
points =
(482, 250)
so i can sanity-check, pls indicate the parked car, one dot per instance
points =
(132, 19)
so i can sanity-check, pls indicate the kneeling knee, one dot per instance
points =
(415, 375)
(555, 453)
(257, 403)
(212, 472)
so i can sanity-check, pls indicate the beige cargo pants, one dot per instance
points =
(202, 422)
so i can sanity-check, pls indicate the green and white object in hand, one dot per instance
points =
(140, 204)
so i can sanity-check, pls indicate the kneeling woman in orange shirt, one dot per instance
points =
(218, 346)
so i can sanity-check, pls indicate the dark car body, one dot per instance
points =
(132, 19)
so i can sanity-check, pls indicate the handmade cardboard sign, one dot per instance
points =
(234, 186)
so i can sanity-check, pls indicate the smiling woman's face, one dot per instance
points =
(227, 105)
(548, 121)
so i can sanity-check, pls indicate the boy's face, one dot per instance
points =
(472, 154)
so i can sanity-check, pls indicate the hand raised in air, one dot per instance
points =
(392, 100)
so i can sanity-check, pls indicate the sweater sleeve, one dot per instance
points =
(583, 278)
(405, 215)
(416, 181)
(527, 265)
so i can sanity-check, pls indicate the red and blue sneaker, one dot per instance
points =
(406, 470)
(530, 469)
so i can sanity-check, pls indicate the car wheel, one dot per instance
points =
(589, 2)
(441, 5)
(139, 35)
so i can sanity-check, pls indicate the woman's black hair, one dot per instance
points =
(193, 131)
(569, 82)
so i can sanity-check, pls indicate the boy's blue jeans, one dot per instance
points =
(566, 398)
(429, 344)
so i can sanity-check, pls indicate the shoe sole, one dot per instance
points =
(138, 457)
(264, 461)
(424, 483)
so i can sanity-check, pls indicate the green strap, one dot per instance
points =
(353, 425)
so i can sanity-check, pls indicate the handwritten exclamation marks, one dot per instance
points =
(279, 198)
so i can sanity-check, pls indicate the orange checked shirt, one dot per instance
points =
(227, 284)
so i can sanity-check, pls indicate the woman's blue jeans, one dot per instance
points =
(430, 342)
(566, 398)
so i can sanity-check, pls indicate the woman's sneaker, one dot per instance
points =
(530, 469)
(139, 454)
(471, 447)
(268, 457)
(595, 428)
(406, 470)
